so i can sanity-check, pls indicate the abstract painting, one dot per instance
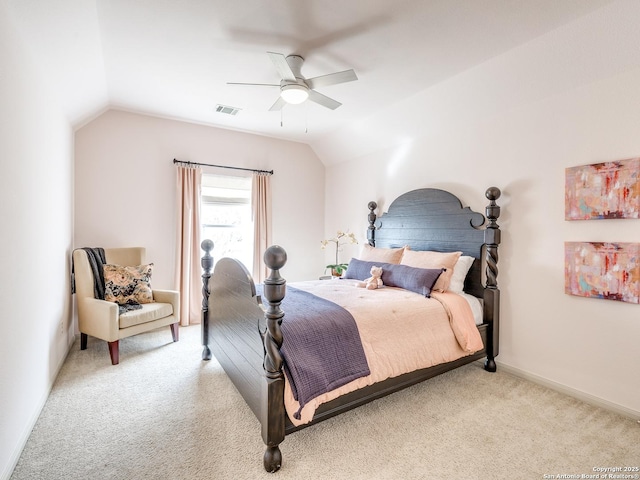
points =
(603, 270)
(603, 190)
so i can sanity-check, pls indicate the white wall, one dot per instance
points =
(35, 210)
(568, 98)
(125, 186)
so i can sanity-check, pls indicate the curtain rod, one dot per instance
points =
(270, 172)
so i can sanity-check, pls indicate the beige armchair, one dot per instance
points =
(101, 319)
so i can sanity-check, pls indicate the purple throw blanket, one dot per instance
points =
(321, 346)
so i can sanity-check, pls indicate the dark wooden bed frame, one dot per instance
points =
(245, 335)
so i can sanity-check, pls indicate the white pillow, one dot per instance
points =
(460, 270)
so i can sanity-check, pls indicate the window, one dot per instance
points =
(225, 215)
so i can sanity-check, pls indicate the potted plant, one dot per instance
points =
(341, 238)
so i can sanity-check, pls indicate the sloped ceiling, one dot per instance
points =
(174, 58)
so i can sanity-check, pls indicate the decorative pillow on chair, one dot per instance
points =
(429, 259)
(128, 284)
(385, 255)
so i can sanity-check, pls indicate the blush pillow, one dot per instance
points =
(460, 271)
(418, 280)
(386, 255)
(128, 284)
(429, 259)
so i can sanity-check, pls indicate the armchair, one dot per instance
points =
(101, 319)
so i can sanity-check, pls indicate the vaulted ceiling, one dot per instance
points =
(173, 58)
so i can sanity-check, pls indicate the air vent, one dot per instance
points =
(227, 110)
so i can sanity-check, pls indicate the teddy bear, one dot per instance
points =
(375, 280)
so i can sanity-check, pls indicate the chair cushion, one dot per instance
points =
(148, 313)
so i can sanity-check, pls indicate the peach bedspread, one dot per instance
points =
(401, 331)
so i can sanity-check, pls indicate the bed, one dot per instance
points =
(242, 324)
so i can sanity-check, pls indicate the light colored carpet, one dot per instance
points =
(164, 414)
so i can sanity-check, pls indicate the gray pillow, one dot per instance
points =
(418, 280)
(361, 269)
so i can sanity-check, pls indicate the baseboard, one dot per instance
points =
(26, 433)
(572, 392)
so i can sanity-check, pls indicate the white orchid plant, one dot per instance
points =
(341, 238)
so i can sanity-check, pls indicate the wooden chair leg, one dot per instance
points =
(83, 341)
(114, 352)
(175, 332)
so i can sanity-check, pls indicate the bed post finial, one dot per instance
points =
(273, 292)
(491, 293)
(371, 229)
(207, 264)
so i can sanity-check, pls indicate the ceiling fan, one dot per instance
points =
(294, 88)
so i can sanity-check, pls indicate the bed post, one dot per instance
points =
(273, 413)
(371, 229)
(491, 292)
(207, 264)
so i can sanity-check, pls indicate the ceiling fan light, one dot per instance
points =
(294, 94)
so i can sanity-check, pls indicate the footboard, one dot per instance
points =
(245, 338)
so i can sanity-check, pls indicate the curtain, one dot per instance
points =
(188, 279)
(261, 213)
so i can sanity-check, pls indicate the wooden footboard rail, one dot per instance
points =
(273, 420)
(207, 264)
(232, 292)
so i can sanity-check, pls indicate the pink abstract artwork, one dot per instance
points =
(603, 190)
(603, 270)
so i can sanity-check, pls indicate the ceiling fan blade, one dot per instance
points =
(283, 68)
(323, 100)
(254, 84)
(331, 79)
(278, 105)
